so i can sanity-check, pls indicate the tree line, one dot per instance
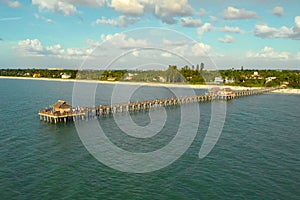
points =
(186, 74)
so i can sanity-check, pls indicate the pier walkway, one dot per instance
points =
(63, 112)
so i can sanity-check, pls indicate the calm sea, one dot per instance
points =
(256, 156)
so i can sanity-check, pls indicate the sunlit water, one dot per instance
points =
(256, 156)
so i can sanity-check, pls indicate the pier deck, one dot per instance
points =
(83, 113)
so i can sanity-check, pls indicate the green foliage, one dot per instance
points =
(173, 74)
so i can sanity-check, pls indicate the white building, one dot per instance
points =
(218, 80)
(66, 76)
(268, 79)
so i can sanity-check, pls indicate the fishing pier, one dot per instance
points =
(64, 112)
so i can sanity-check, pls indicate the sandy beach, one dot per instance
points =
(177, 85)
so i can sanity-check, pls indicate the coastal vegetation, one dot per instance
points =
(185, 74)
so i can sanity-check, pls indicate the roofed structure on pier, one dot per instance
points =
(61, 106)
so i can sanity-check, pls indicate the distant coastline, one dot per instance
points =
(178, 85)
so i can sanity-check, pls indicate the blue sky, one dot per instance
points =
(142, 34)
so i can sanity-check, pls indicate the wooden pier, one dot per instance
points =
(63, 112)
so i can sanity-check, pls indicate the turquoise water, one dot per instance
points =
(256, 156)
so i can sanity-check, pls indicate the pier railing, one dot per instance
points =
(83, 113)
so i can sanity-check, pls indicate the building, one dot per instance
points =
(229, 80)
(111, 78)
(61, 106)
(268, 79)
(129, 77)
(66, 76)
(214, 91)
(256, 75)
(225, 92)
(55, 68)
(218, 80)
(36, 75)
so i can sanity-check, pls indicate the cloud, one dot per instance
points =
(297, 57)
(268, 53)
(13, 4)
(121, 21)
(201, 12)
(121, 41)
(235, 13)
(135, 53)
(166, 55)
(66, 7)
(174, 43)
(35, 48)
(264, 31)
(10, 19)
(207, 27)
(31, 47)
(133, 7)
(190, 22)
(200, 49)
(56, 6)
(186, 48)
(37, 16)
(278, 11)
(165, 10)
(230, 29)
(227, 39)
(213, 19)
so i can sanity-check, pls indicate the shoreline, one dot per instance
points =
(174, 85)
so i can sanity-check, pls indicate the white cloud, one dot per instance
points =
(121, 41)
(264, 31)
(190, 22)
(268, 53)
(34, 47)
(121, 21)
(297, 56)
(186, 48)
(133, 7)
(231, 29)
(10, 19)
(103, 20)
(174, 43)
(235, 13)
(201, 12)
(13, 4)
(66, 7)
(213, 19)
(56, 6)
(207, 27)
(31, 47)
(166, 55)
(200, 49)
(135, 53)
(166, 10)
(278, 11)
(227, 39)
(37, 16)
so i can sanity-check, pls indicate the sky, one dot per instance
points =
(149, 34)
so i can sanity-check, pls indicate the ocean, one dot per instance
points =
(256, 156)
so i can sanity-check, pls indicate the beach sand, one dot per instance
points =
(177, 85)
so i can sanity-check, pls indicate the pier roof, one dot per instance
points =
(61, 104)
